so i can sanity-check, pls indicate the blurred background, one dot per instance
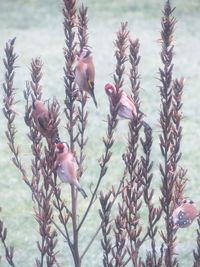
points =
(39, 31)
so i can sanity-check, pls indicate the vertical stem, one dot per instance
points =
(121, 45)
(133, 190)
(77, 260)
(69, 12)
(153, 213)
(82, 112)
(166, 138)
(9, 113)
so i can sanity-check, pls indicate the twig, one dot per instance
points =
(82, 113)
(166, 138)
(121, 45)
(9, 251)
(9, 113)
(115, 195)
(69, 12)
(90, 243)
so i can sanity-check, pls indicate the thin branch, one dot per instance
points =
(115, 194)
(167, 137)
(10, 115)
(9, 251)
(82, 113)
(90, 243)
(69, 12)
(121, 45)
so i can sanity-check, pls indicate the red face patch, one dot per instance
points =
(109, 88)
(60, 146)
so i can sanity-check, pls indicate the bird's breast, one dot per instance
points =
(63, 173)
(80, 75)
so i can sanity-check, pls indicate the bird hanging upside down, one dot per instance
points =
(66, 167)
(85, 73)
(184, 214)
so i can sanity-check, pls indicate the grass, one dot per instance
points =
(38, 28)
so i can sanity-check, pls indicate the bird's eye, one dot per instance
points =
(191, 202)
(185, 201)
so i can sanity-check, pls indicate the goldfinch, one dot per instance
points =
(85, 73)
(66, 167)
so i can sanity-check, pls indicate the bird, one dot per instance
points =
(126, 106)
(43, 121)
(184, 214)
(66, 166)
(85, 73)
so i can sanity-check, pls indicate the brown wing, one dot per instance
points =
(127, 103)
(80, 75)
(90, 73)
(192, 212)
(72, 164)
(43, 123)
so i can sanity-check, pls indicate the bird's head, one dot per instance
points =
(187, 201)
(85, 53)
(37, 104)
(61, 147)
(110, 89)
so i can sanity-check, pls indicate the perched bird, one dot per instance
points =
(126, 106)
(184, 214)
(42, 119)
(66, 167)
(85, 73)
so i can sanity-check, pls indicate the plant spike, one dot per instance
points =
(70, 16)
(167, 137)
(42, 169)
(10, 115)
(82, 113)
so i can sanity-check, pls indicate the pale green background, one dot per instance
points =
(38, 27)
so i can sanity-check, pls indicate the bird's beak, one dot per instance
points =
(93, 97)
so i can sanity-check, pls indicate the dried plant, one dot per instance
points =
(106, 228)
(119, 244)
(42, 169)
(9, 103)
(133, 192)
(9, 113)
(166, 138)
(69, 12)
(180, 173)
(154, 214)
(82, 112)
(9, 251)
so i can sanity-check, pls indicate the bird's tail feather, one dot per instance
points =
(91, 84)
(82, 192)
